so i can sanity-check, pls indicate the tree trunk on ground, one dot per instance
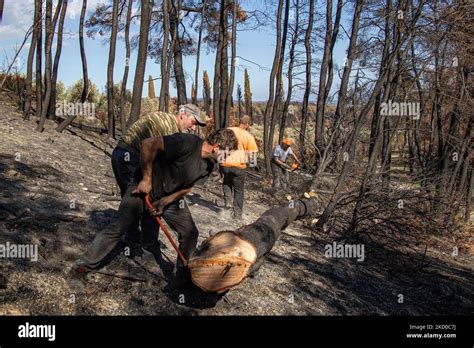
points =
(85, 77)
(228, 257)
(141, 62)
(110, 72)
(123, 89)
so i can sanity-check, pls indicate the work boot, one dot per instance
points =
(182, 277)
(236, 217)
(78, 276)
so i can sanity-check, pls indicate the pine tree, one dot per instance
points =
(206, 91)
(239, 101)
(193, 93)
(151, 88)
(248, 95)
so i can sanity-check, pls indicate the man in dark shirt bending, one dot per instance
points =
(170, 166)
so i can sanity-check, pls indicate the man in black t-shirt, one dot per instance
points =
(170, 166)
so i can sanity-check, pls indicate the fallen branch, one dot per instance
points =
(122, 275)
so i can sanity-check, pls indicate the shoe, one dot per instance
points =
(77, 277)
(182, 277)
(236, 217)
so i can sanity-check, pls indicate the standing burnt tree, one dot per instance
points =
(123, 88)
(85, 76)
(110, 72)
(146, 8)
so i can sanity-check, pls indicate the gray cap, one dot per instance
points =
(194, 110)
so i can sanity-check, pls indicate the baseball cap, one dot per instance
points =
(194, 110)
(288, 141)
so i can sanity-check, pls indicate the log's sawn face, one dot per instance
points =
(222, 262)
(225, 259)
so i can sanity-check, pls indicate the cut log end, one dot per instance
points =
(222, 262)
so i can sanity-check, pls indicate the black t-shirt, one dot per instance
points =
(179, 165)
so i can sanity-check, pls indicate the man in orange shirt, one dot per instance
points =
(234, 166)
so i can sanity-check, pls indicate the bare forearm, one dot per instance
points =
(178, 195)
(280, 162)
(150, 147)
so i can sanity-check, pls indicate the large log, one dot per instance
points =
(227, 258)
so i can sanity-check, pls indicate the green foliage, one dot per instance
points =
(75, 91)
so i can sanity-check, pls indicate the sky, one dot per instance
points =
(255, 45)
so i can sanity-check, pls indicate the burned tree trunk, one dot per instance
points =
(307, 91)
(141, 61)
(123, 88)
(267, 143)
(47, 65)
(39, 50)
(278, 103)
(198, 54)
(85, 76)
(225, 260)
(110, 73)
(54, 77)
(29, 74)
(230, 90)
(177, 52)
(165, 58)
(294, 41)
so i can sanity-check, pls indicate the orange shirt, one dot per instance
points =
(246, 151)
